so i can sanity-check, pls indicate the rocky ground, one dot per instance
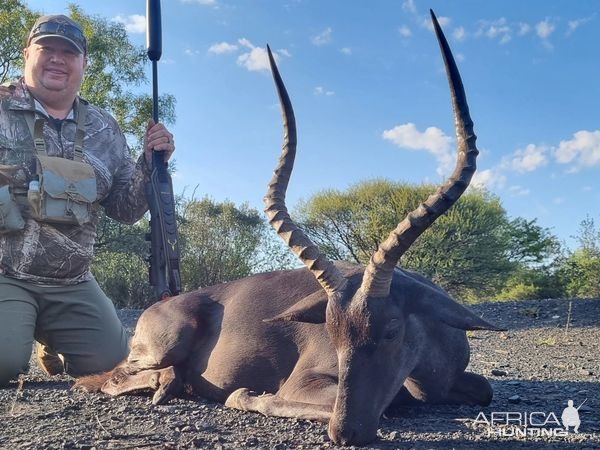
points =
(551, 354)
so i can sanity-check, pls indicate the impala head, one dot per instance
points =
(366, 318)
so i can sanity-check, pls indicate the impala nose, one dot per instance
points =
(349, 434)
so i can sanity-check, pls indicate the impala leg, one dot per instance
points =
(272, 405)
(471, 389)
(166, 382)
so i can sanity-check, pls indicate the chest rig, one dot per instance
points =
(63, 190)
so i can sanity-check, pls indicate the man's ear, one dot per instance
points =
(310, 309)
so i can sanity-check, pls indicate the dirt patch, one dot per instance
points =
(535, 367)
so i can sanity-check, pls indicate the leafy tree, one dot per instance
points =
(219, 241)
(124, 278)
(471, 251)
(531, 244)
(533, 283)
(272, 253)
(536, 253)
(223, 242)
(581, 269)
(16, 19)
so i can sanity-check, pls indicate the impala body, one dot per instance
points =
(334, 342)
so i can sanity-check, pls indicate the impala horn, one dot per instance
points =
(330, 278)
(377, 278)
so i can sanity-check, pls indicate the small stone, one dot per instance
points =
(499, 373)
(514, 399)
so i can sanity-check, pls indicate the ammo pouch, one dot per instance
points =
(10, 216)
(67, 191)
(67, 188)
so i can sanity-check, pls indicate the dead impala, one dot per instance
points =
(334, 342)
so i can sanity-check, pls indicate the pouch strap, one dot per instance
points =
(36, 128)
(80, 130)
(38, 137)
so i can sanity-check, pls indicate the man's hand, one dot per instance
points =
(157, 138)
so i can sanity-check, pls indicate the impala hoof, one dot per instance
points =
(238, 399)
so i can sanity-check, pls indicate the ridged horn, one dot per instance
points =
(330, 278)
(378, 274)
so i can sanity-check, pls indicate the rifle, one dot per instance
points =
(164, 243)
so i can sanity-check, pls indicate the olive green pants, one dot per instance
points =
(79, 322)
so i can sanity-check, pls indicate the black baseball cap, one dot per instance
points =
(61, 27)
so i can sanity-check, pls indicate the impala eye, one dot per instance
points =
(392, 329)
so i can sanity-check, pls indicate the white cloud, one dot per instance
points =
(488, 179)
(574, 24)
(580, 152)
(323, 38)
(222, 47)
(528, 159)
(544, 29)
(253, 58)
(524, 28)
(256, 59)
(404, 31)
(459, 34)
(346, 50)
(443, 21)
(320, 90)
(432, 140)
(191, 52)
(498, 30)
(409, 6)
(133, 24)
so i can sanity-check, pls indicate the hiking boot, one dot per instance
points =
(50, 362)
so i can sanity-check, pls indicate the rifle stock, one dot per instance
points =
(164, 242)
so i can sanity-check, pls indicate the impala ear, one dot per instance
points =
(434, 302)
(310, 309)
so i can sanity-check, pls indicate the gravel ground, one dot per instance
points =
(535, 367)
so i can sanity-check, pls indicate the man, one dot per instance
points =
(61, 159)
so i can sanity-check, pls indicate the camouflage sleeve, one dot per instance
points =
(126, 201)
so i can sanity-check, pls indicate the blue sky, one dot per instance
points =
(371, 98)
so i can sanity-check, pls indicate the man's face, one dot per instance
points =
(54, 65)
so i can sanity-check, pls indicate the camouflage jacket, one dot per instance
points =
(50, 253)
